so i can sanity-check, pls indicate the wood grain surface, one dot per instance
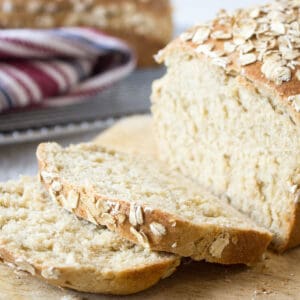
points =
(276, 277)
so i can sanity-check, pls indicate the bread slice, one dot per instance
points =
(147, 203)
(132, 134)
(145, 25)
(227, 113)
(46, 241)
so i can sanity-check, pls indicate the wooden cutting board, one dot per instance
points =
(276, 277)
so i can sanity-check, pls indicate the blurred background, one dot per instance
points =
(189, 12)
(20, 133)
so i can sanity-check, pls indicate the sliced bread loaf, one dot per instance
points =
(45, 240)
(227, 112)
(148, 203)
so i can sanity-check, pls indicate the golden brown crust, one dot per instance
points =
(293, 238)
(251, 79)
(124, 128)
(80, 274)
(250, 72)
(251, 76)
(133, 20)
(231, 60)
(94, 281)
(213, 243)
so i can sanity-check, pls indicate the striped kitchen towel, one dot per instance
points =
(58, 66)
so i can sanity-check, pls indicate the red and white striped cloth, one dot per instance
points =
(58, 66)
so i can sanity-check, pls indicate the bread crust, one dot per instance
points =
(82, 277)
(92, 280)
(293, 238)
(252, 71)
(50, 14)
(178, 47)
(242, 246)
(113, 137)
(251, 77)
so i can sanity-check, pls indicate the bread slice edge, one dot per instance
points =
(169, 233)
(91, 278)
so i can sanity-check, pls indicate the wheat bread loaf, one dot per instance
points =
(145, 25)
(132, 134)
(43, 239)
(148, 203)
(227, 112)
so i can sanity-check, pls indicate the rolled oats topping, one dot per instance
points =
(247, 47)
(205, 49)
(136, 215)
(53, 196)
(296, 103)
(56, 186)
(25, 266)
(48, 177)
(221, 35)
(247, 59)
(140, 236)
(201, 35)
(229, 47)
(292, 187)
(108, 219)
(186, 36)
(51, 273)
(268, 34)
(121, 218)
(73, 199)
(221, 62)
(157, 229)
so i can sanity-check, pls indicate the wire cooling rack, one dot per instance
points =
(130, 96)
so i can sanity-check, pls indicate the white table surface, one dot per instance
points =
(20, 158)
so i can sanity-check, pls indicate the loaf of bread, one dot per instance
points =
(132, 134)
(147, 203)
(227, 113)
(38, 237)
(145, 24)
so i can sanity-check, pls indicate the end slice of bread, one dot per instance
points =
(147, 203)
(38, 237)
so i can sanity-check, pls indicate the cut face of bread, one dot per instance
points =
(227, 114)
(148, 203)
(38, 237)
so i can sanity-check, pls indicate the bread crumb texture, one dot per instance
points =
(140, 181)
(236, 134)
(261, 43)
(43, 239)
(149, 203)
